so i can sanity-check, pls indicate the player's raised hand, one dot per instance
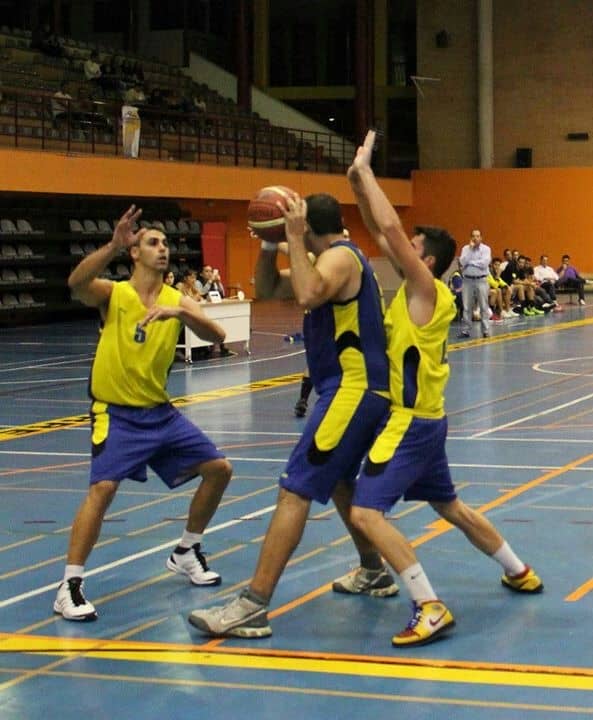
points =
(123, 234)
(364, 153)
(295, 215)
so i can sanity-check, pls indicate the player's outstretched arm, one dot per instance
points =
(84, 282)
(385, 218)
(270, 282)
(189, 313)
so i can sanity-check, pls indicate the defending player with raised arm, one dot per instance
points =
(133, 423)
(149, 250)
(408, 456)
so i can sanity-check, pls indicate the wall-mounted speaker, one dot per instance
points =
(442, 39)
(524, 157)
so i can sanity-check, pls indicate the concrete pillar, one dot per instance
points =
(485, 85)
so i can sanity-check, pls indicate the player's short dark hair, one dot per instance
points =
(324, 214)
(439, 244)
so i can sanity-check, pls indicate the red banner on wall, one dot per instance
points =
(214, 247)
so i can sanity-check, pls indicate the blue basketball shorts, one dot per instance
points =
(407, 459)
(125, 440)
(335, 440)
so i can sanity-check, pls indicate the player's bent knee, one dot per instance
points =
(219, 470)
(103, 492)
(362, 518)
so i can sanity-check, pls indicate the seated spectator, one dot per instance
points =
(208, 282)
(187, 285)
(523, 290)
(91, 67)
(499, 295)
(547, 278)
(60, 104)
(569, 279)
(507, 256)
(542, 300)
(135, 95)
(198, 104)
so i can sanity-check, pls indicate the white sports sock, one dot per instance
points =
(418, 584)
(510, 562)
(73, 571)
(189, 539)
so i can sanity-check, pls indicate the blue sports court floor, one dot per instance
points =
(521, 448)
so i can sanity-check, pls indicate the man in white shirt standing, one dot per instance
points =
(474, 262)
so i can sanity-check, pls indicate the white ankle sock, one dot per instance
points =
(418, 584)
(510, 562)
(73, 571)
(189, 539)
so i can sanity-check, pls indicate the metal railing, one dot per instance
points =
(39, 120)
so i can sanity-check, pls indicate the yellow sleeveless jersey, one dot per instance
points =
(131, 363)
(418, 364)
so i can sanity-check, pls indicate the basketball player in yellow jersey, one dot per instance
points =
(408, 456)
(134, 425)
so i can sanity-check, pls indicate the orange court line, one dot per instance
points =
(580, 591)
(19, 471)
(440, 523)
(439, 527)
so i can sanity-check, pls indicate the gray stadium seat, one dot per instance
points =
(25, 275)
(7, 227)
(25, 227)
(90, 226)
(8, 251)
(9, 276)
(9, 300)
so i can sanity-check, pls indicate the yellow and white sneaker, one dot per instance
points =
(526, 582)
(429, 621)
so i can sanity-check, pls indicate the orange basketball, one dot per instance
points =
(263, 215)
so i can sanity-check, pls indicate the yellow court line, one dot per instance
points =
(529, 332)
(66, 423)
(416, 700)
(334, 664)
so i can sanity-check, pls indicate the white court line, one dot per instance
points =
(526, 418)
(130, 558)
(69, 361)
(561, 441)
(62, 381)
(540, 367)
(45, 454)
(478, 466)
